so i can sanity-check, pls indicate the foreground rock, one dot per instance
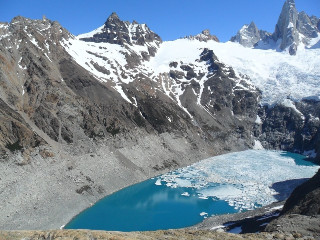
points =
(291, 126)
(170, 234)
(305, 199)
(301, 212)
(244, 222)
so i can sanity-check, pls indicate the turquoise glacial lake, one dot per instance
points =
(228, 183)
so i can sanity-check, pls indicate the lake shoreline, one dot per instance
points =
(261, 193)
(48, 192)
(227, 222)
(42, 194)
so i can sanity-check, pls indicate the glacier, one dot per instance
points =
(277, 74)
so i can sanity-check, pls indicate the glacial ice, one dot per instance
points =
(243, 179)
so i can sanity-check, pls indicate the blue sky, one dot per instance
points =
(171, 19)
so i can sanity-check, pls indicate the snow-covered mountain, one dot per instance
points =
(159, 88)
(130, 61)
(277, 74)
(294, 30)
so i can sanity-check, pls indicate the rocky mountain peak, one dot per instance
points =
(286, 27)
(120, 32)
(290, 3)
(294, 28)
(39, 33)
(307, 25)
(252, 25)
(115, 24)
(113, 16)
(204, 36)
(249, 35)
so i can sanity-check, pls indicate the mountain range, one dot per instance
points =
(119, 103)
(292, 30)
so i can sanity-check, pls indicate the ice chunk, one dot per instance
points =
(243, 179)
(158, 182)
(257, 145)
(203, 214)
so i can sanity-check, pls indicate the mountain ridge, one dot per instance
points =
(292, 30)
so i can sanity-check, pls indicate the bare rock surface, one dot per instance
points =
(169, 234)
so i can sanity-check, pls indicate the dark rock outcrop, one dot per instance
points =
(305, 199)
(301, 212)
(295, 128)
(16, 134)
(220, 105)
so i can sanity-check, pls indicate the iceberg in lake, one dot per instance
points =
(245, 179)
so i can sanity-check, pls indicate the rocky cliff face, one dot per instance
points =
(286, 27)
(294, 28)
(291, 126)
(301, 212)
(305, 199)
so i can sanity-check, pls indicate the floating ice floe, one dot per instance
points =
(185, 194)
(246, 180)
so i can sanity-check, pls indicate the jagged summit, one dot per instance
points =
(286, 28)
(250, 35)
(204, 36)
(113, 15)
(292, 29)
(39, 33)
(120, 32)
(290, 3)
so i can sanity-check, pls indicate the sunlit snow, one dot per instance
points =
(277, 74)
